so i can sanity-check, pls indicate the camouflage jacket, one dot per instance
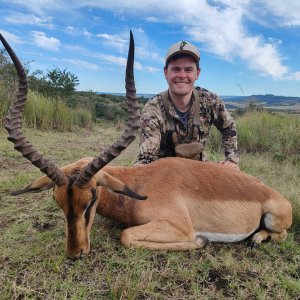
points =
(156, 140)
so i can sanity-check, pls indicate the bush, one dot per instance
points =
(261, 131)
(83, 118)
(43, 113)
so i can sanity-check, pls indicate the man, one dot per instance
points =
(177, 122)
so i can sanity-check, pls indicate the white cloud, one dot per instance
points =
(75, 31)
(121, 61)
(44, 41)
(287, 12)
(218, 26)
(70, 29)
(142, 49)
(11, 38)
(114, 41)
(29, 19)
(87, 34)
(82, 63)
(152, 19)
(152, 69)
(263, 57)
(40, 7)
(117, 60)
(293, 76)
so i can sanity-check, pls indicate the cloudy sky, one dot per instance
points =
(247, 47)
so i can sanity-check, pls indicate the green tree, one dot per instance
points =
(62, 82)
(8, 74)
(57, 83)
(8, 83)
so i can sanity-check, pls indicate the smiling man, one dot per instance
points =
(177, 122)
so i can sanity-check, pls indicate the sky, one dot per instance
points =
(247, 47)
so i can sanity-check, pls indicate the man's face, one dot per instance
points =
(181, 75)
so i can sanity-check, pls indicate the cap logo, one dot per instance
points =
(182, 44)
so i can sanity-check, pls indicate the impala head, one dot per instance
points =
(74, 186)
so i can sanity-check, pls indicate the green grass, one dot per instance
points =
(47, 113)
(33, 264)
(260, 132)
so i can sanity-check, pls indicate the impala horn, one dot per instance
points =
(13, 125)
(131, 126)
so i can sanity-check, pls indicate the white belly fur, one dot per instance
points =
(223, 237)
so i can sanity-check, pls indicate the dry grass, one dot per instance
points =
(33, 264)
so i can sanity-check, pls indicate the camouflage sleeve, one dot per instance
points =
(226, 125)
(150, 134)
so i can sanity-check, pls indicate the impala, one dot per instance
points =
(188, 202)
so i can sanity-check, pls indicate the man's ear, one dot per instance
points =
(41, 184)
(165, 70)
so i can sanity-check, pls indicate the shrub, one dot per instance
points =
(44, 113)
(261, 131)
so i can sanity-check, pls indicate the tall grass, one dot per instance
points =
(5, 99)
(261, 131)
(51, 114)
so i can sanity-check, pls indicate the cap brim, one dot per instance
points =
(187, 52)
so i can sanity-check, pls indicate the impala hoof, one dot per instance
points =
(253, 245)
(201, 241)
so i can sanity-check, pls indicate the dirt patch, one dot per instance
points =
(218, 277)
(5, 221)
(43, 226)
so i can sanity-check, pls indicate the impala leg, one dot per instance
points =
(275, 227)
(262, 235)
(161, 235)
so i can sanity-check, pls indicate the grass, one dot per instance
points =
(261, 131)
(47, 113)
(33, 264)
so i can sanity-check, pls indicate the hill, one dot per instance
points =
(269, 101)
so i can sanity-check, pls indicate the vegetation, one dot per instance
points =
(265, 132)
(33, 264)
(57, 83)
(44, 113)
(53, 102)
(47, 105)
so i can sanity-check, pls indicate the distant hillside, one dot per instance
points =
(146, 96)
(266, 100)
(269, 101)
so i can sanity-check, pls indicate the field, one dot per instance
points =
(33, 264)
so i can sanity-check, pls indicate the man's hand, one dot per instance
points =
(230, 164)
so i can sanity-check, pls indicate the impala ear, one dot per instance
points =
(45, 183)
(41, 184)
(115, 185)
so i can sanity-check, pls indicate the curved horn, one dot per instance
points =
(14, 125)
(132, 125)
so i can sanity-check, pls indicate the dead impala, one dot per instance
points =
(188, 202)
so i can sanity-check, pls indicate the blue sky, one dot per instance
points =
(247, 47)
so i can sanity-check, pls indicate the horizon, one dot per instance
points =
(247, 47)
(153, 94)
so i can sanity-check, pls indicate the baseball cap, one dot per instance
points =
(183, 47)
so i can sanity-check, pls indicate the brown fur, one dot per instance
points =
(184, 197)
